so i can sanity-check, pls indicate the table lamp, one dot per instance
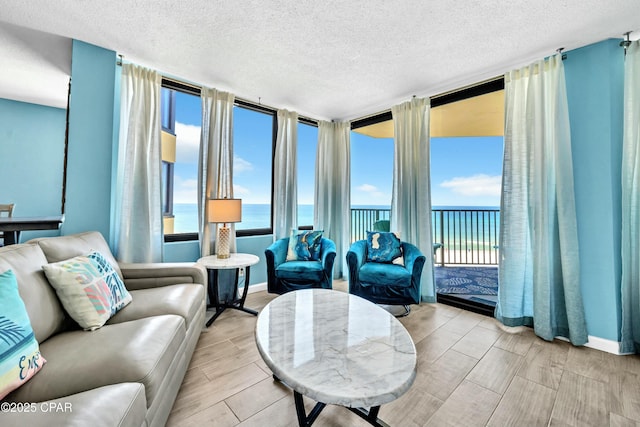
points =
(224, 211)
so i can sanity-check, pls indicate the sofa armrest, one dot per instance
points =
(151, 275)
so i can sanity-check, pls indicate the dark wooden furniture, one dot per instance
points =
(14, 225)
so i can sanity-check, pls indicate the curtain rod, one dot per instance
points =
(385, 112)
(198, 89)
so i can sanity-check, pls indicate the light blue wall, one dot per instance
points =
(91, 136)
(31, 159)
(594, 84)
(595, 76)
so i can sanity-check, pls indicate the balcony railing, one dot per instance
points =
(460, 236)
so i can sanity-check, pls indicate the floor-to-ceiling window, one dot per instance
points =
(371, 175)
(306, 165)
(253, 134)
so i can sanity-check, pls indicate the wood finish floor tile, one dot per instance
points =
(435, 345)
(477, 403)
(280, 414)
(477, 342)
(444, 375)
(518, 342)
(410, 410)
(589, 363)
(218, 415)
(624, 388)
(519, 379)
(463, 323)
(544, 364)
(256, 398)
(524, 403)
(616, 420)
(496, 370)
(581, 401)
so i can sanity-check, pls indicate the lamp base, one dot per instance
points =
(224, 238)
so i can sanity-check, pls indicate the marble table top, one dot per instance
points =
(235, 260)
(336, 348)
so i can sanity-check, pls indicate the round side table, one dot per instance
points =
(235, 262)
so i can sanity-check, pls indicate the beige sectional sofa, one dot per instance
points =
(126, 373)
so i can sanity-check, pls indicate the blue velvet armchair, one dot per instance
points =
(385, 283)
(285, 276)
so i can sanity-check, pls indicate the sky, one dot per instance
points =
(465, 171)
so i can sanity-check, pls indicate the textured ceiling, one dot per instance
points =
(331, 59)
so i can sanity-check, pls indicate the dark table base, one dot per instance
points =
(236, 303)
(304, 420)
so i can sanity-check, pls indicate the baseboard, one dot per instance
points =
(257, 287)
(602, 344)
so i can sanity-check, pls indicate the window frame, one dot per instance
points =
(194, 90)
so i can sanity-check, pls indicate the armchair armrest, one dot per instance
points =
(150, 275)
(275, 255)
(277, 252)
(328, 251)
(413, 261)
(356, 257)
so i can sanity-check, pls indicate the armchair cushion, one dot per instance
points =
(385, 283)
(383, 246)
(304, 245)
(285, 276)
(312, 271)
(379, 274)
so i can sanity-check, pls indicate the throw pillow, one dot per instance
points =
(383, 246)
(20, 357)
(89, 289)
(304, 245)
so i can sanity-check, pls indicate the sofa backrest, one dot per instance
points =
(45, 312)
(64, 247)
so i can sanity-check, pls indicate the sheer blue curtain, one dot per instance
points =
(539, 267)
(630, 290)
(411, 193)
(139, 236)
(332, 207)
(215, 162)
(285, 176)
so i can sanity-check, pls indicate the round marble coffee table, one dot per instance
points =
(336, 348)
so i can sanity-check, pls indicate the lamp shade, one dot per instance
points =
(224, 210)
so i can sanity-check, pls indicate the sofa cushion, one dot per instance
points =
(45, 312)
(60, 248)
(122, 405)
(20, 357)
(379, 274)
(89, 288)
(300, 271)
(182, 300)
(138, 351)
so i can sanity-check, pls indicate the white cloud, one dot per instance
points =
(241, 165)
(187, 143)
(367, 194)
(367, 188)
(239, 190)
(185, 190)
(476, 185)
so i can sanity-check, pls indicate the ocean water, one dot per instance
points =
(461, 227)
